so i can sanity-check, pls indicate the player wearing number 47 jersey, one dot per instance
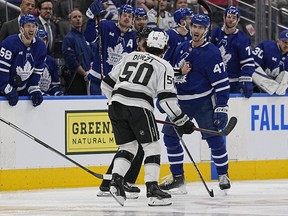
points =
(131, 87)
(203, 94)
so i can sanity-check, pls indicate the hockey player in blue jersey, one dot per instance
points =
(177, 35)
(117, 40)
(22, 61)
(235, 48)
(203, 95)
(140, 20)
(271, 61)
(49, 81)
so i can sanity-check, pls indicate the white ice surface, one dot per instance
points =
(246, 198)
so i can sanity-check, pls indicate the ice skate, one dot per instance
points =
(132, 192)
(157, 197)
(117, 189)
(174, 184)
(224, 183)
(103, 192)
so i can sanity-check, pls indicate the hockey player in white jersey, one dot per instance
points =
(22, 61)
(271, 74)
(235, 47)
(203, 95)
(131, 87)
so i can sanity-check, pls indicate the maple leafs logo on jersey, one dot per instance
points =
(115, 55)
(225, 56)
(180, 79)
(25, 72)
(45, 80)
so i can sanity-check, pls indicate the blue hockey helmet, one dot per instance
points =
(140, 12)
(232, 10)
(126, 9)
(201, 19)
(28, 18)
(182, 13)
(42, 33)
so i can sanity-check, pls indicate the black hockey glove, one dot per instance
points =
(184, 125)
(12, 97)
(36, 98)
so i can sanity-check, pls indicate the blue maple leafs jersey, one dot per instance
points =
(268, 56)
(208, 76)
(175, 39)
(49, 81)
(236, 53)
(25, 63)
(114, 44)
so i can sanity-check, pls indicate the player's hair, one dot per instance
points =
(39, 3)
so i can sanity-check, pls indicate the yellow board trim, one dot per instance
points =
(28, 179)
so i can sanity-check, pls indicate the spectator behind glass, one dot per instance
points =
(12, 26)
(78, 55)
(45, 9)
(159, 17)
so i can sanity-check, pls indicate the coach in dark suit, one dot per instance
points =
(45, 9)
(12, 26)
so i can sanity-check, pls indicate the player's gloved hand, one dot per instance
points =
(12, 97)
(246, 86)
(220, 117)
(94, 9)
(36, 98)
(184, 125)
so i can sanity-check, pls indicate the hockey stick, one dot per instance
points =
(230, 126)
(204, 4)
(97, 175)
(210, 192)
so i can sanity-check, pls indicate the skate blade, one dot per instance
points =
(132, 195)
(154, 201)
(177, 191)
(119, 199)
(103, 194)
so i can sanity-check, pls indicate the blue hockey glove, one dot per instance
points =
(12, 97)
(220, 117)
(246, 86)
(184, 125)
(36, 98)
(94, 9)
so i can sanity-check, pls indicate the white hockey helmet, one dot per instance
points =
(157, 39)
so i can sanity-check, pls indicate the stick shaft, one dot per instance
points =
(210, 192)
(100, 176)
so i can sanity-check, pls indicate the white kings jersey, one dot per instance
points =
(138, 78)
